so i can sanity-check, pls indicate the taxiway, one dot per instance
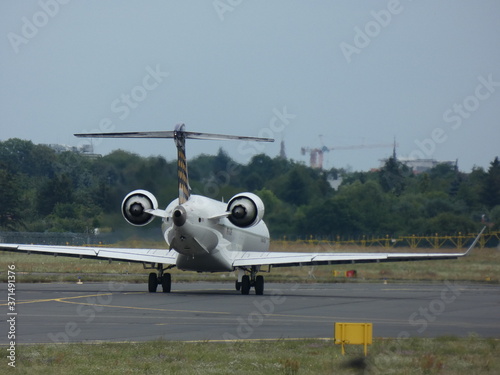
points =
(114, 312)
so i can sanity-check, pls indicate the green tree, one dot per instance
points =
(10, 201)
(294, 190)
(407, 212)
(495, 217)
(490, 192)
(265, 167)
(393, 176)
(20, 156)
(369, 205)
(56, 190)
(470, 189)
(278, 214)
(332, 217)
(449, 223)
(44, 190)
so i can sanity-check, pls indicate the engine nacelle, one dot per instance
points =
(134, 206)
(246, 210)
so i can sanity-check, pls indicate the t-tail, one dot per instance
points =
(179, 135)
(182, 171)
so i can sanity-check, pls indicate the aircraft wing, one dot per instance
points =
(163, 256)
(279, 259)
(287, 259)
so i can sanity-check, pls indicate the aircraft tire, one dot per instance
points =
(238, 285)
(166, 282)
(245, 285)
(152, 282)
(259, 285)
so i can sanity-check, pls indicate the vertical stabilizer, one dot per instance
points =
(182, 172)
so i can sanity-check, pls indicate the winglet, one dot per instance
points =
(475, 242)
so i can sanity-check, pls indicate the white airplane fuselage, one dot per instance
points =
(206, 241)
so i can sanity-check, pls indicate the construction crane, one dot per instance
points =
(317, 154)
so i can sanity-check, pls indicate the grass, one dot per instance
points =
(445, 355)
(483, 265)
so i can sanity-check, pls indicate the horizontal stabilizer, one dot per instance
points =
(172, 134)
(158, 134)
(223, 137)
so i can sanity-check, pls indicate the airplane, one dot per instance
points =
(206, 235)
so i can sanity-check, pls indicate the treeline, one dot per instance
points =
(42, 190)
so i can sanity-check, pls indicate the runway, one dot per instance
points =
(115, 312)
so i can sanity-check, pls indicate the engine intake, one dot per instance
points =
(246, 210)
(134, 207)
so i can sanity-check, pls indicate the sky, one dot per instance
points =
(342, 73)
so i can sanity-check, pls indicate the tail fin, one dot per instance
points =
(179, 135)
(182, 171)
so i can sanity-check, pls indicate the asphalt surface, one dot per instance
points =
(46, 313)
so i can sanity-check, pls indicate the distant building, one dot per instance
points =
(282, 150)
(421, 165)
(334, 182)
(86, 150)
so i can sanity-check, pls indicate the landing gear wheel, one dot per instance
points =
(245, 285)
(259, 285)
(166, 282)
(152, 282)
(238, 285)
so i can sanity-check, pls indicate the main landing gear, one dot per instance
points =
(246, 282)
(160, 278)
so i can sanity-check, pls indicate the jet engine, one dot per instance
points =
(246, 210)
(134, 206)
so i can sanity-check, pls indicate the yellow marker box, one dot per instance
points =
(354, 334)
